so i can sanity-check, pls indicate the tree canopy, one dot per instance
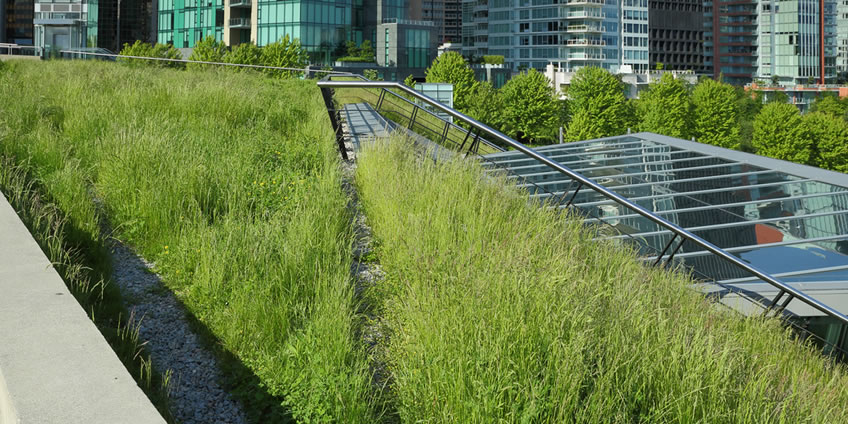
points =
(715, 114)
(777, 134)
(597, 104)
(827, 136)
(530, 111)
(246, 54)
(665, 108)
(451, 68)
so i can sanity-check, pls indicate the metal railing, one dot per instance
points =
(19, 50)
(777, 305)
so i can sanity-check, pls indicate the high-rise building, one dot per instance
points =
(612, 34)
(16, 21)
(677, 34)
(64, 26)
(730, 39)
(447, 15)
(842, 37)
(797, 41)
(793, 41)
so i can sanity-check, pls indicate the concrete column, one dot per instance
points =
(227, 15)
(254, 22)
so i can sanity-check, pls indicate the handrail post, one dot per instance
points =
(445, 134)
(412, 118)
(327, 94)
(380, 99)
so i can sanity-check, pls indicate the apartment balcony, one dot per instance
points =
(593, 3)
(585, 29)
(585, 14)
(591, 57)
(239, 22)
(585, 42)
(240, 3)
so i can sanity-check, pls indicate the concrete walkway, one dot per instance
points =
(365, 123)
(55, 366)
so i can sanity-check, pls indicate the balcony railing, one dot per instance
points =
(584, 28)
(577, 42)
(585, 2)
(239, 23)
(585, 14)
(240, 3)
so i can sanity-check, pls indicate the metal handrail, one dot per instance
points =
(685, 235)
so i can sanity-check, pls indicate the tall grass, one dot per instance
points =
(499, 311)
(230, 185)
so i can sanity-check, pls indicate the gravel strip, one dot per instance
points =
(366, 272)
(196, 396)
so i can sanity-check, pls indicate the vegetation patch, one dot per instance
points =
(500, 311)
(229, 183)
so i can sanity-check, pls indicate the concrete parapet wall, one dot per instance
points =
(55, 366)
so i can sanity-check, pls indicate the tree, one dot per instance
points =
(451, 68)
(372, 75)
(245, 54)
(207, 50)
(530, 110)
(284, 53)
(665, 108)
(830, 105)
(748, 105)
(486, 105)
(828, 137)
(716, 114)
(777, 134)
(409, 81)
(366, 51)
(597, 104)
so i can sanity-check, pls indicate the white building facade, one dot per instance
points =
(612, 34)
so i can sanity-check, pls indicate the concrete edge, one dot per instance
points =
(55, 365)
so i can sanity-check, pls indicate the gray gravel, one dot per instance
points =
(196, 396)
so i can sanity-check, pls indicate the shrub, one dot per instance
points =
(162, 51)
(284, 53)
(207, 50)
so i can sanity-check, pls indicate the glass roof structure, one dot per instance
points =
(788, 220)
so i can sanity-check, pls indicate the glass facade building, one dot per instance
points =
(185, 22)
(16, 21)
(573, 33)
(62, 25)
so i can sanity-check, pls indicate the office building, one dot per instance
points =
(676, 34)
(572, 34)
(16, 21)
(793, 40)
(797, 41)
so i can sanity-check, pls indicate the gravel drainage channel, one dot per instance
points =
(196, 396)
(366, 273)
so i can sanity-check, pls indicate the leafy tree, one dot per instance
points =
(716, 114)
(777, 134)
(530, 111)
(665, 108)
(486, 105)
(245, 54)
(830, 105)
(284, 53)
(451, 68)
(598, 105)
(828, 137)
(140, 49)
(409, 81)
(366, 51)
(207, 50)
